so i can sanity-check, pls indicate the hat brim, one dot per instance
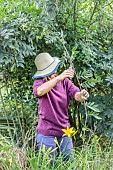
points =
(49, 70)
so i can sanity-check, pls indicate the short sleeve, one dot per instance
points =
(71, 88)
(36, 84)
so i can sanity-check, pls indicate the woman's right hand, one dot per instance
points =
(69, 73)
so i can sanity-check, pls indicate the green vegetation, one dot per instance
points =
(84, 29)
(88, 156)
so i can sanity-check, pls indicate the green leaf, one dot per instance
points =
(97, 117)
(5, 127)
(93, 107)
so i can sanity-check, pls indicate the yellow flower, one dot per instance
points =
(99, 148)
(69, 131)
(56, 141)
(54, 150)
(43, 148)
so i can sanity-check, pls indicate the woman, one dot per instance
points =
(54, 93)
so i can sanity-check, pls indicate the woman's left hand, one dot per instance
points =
(81, 96)
(84, 94)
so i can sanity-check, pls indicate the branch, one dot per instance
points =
(95, 7)
(56, 4)
(71, 64)
(74, 16)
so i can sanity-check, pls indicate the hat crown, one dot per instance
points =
(43, 60)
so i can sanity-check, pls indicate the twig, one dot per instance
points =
(95, 7)
(56, 4)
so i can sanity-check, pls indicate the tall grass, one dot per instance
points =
(90, 156)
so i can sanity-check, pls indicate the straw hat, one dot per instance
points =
(46, 65)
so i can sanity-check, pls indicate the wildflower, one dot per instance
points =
(43, 148)
(69, 131)
(53, 150)
(56, 141)
(99, 148)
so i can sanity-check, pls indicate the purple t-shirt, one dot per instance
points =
(53, 107)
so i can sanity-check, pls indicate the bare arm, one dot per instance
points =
(47, 86)
(81, 96)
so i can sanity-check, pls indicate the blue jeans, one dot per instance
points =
(65, 145)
